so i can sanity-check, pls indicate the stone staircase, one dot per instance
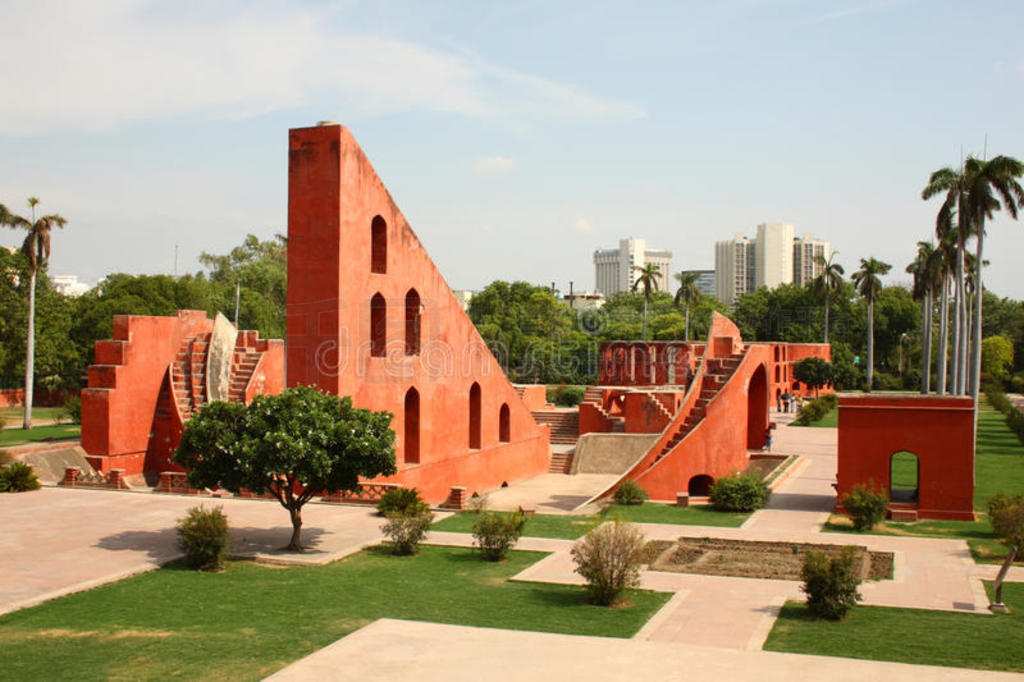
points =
(718, 372)
(188, 374)
(243, 364)
(561, 462)
(592, 395)
(565, 425)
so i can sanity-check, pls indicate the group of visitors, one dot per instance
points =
(787, 402)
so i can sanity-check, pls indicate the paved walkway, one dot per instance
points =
(551, 493)
(57, 540)
(430, 652)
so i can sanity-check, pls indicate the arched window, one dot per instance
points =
(904, 477)
(474, 415)
(378, 245)
(504, 427)
(700, 485)
(412, 426)
(378, 326)
(412, 323)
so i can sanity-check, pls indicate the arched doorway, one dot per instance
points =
(378, 326)
(474, 416)
(504, 424)
(700, 485)
(412, 426)
(757, 409)
(904, 477)
(412, 322)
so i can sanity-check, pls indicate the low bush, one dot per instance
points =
(830, 583)
(400, 501)
(73, 410)
(609, 559)
(739, 492)
(203, 537)
(565, 396)
(815, 410)
(406, 530)
(18, 477)
(866, 506)
(630, 493)
(1014, 417)
(495, 533)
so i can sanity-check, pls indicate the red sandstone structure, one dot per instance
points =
(939, 432)
(149, 379)
(370, 316)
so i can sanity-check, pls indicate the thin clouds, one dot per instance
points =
(493, 165)
(107, 62)
(584, 226)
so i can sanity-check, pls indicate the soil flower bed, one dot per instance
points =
(754, 559)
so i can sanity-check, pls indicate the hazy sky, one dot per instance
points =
(515, 137)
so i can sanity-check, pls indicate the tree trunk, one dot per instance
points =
(926, 376)
(997, 586)
(686, 333)
(871, 343)
(826, 316)
(295, 544)
(643, 332)
(943, 336)
(30, 351)
(975, 385)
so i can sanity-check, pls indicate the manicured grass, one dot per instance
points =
(251, 620)
(572, 527)
(829, 421)
(904, 470)
(10, 414)
(960, 640)
(11, 436)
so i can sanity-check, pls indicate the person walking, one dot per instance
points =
(767, 440)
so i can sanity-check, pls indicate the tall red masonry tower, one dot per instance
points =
(370, 316)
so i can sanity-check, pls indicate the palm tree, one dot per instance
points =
(870, 286)
(990, 186)
(926, 269)
(953, 183)
(945, 253)
(648, 279)
(830, 279)
(36, 248)
(687, 293)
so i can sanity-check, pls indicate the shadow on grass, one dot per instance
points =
(162, 545)
(558, 596)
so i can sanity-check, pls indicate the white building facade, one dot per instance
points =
(775, 256)
(614, 269)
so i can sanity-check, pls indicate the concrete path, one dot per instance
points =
(429, 652)
(551, 493)
(55, 541)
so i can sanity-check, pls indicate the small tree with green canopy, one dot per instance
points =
(1007, 517)
(996, 356)
(815, 372)
(294, 445)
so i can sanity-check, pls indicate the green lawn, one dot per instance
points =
(984, 546)
(572, 527)
(11, 436)
(252, 620)
(829, 421)
(12, 414)
(960, 640)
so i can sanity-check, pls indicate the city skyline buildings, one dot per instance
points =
(775, 256)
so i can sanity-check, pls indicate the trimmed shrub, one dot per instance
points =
(400, 501)
(73, 409)
(18, 477)
(496, 533)
(739, 492)
(565, 396)
(406, 530)
(203, 537)
(630, 493)
(830, 583)
(609, 559)
(865, 506)
(816, 409)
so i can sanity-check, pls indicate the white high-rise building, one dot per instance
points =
(772, 258)
(774, 255)
(614, 268)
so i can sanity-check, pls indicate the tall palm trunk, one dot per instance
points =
(643, 330)
(686, 332)
(871, 343)
(30, 350)
(943, 336)
(958, 323)
(926, 350)
(975, 386)
(826, 317)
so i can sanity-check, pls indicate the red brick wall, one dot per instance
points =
(940, 431)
